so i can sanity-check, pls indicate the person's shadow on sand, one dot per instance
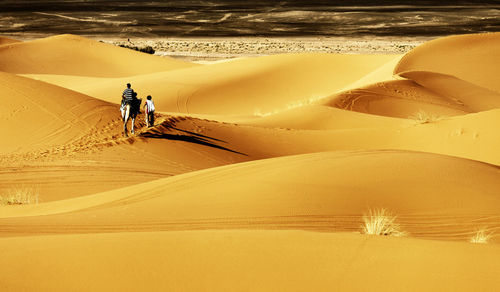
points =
(191, 138)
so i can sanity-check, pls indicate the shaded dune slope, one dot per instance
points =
(397, 98)
(74, 55)
(472, 97)
(431, 93)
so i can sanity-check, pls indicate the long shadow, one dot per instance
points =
(191, 139)
(196, 134)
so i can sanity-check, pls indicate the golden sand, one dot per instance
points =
(257, 173)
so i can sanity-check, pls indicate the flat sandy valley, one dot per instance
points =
(260, 172)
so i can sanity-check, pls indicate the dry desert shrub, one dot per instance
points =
(19, 196)
(481, 236)
(147, 49)
(381, 222)
(422, 117)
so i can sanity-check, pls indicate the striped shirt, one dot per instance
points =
(128, 94)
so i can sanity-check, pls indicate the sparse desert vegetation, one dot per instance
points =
(146, 49)
(19, 196)
(481, 236)
(422, 117)
(381, 222)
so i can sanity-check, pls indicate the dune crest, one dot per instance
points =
(74, 55)
(472, 57)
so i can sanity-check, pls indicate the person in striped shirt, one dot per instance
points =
(127, 98)
(128, 94)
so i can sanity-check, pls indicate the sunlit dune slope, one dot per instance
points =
(320, 117)
(384, 72)
(473, 58)
(241, 87)
(322, 191)
(6, 41)
(74, 55)
(36, 114)
(244, 260)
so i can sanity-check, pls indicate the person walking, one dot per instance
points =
(150, 111)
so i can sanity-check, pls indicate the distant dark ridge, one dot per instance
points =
(227, 5)
(241, 18)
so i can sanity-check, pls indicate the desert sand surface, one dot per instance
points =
(257, 173)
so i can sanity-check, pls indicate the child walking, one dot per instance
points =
(150, 111)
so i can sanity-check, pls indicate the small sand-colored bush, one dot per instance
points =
(481, 236)
(422, 117)
(19, 196)
(381, 222)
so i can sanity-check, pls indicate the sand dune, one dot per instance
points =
(294, 132)
(352, 183)
(320, 117)
(6, 41)
(244, 260)
(397, 98)
(36, 114)
(257, 172)
(55, 134)
(242, 87)
(472, 97)
(73, 55)
(473, 58)
(384, 72)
